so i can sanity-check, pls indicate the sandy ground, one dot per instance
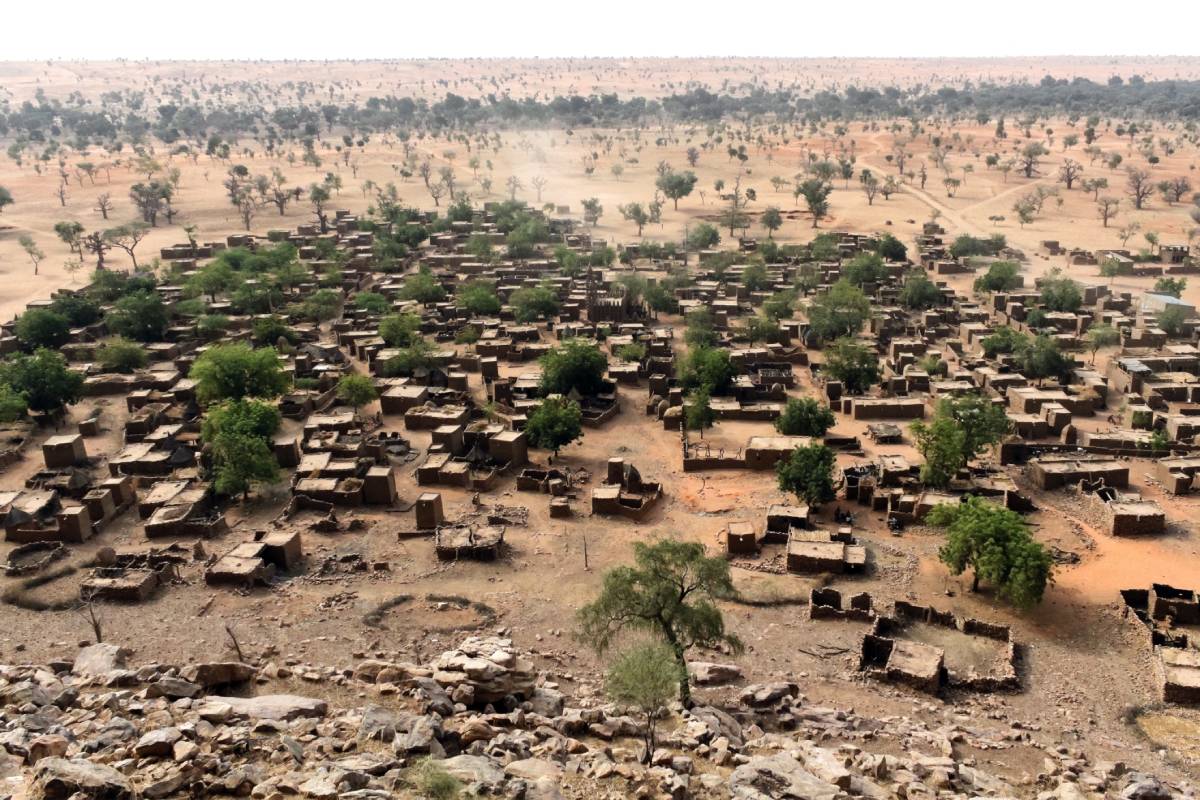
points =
(1084, 664)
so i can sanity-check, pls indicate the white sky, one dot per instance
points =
(279, 29)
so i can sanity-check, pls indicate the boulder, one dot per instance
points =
(282, 707)
(61, 778)
(475, 771)
(99, 659)
(533, 769)
(705, 673)
(218, 673)
(779, 777)
(173, 688)
(158, 743)
(763, 695)
(47, 746)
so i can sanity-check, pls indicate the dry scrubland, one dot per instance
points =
(1085, 666)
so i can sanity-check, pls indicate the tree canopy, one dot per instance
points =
(804, 416)
(575, 365)
(853, 363)
(234, 371)
(555, 423)
(996, 545)
(807, 472)
(671, 592)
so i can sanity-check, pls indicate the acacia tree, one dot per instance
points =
(6, 198)
(676, 185)
(127, 238)
(996, 545)
(644, 678)
(772, 220)
(816, 196)
(671, 592)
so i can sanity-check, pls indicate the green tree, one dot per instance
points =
(841, 311)
(356, 390)
(141, 316)
(807, 472)
(816, 196)
(707, 367)
(423, 288)
(574, 366)
(1170, 286)
(1060, 293)
(42, 327)
(645, 678)
(43, 379)
(6, 198)
(321, 306)
(996, 545)
(698, 412)
(1172, 319)
(891, 248)
(1003, 340)
(762, 328)
(755, 278)
(372, 302)
(400, 330)
(213, 279)
(779, 305)
(1002, 276)
(635, 213)
(864, 268)
(479, 298)
(772, 220)
(534, 302)
(672, 592)
(234, 371)
(962, 428)
(12, 404)
(919, 292)
(78, 308)
(240, 463)
(703, 237)
(121, 355)
(676, 185)
(555, 423)
(212, 326)
(1099, 336)
(269, 330)
(804, 417)
(852, 363)
(1042, 359)
(940, 443)
(701, 328)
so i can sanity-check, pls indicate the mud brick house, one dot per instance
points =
(741, 538)
(810, 552)
(1177, 474)
(60, 452)
(1053, 472)
(257, 560)
(884, 407)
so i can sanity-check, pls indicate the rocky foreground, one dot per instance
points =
(99, 728)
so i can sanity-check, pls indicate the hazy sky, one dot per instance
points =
(221, 29)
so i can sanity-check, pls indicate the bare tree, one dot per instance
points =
(514, 185)
(539, 183)
(1138, 187)
(1107, 208)
(104, 204)
(1069, 172)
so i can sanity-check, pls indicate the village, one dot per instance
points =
(360, 484)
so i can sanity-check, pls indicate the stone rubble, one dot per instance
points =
(94, 729)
